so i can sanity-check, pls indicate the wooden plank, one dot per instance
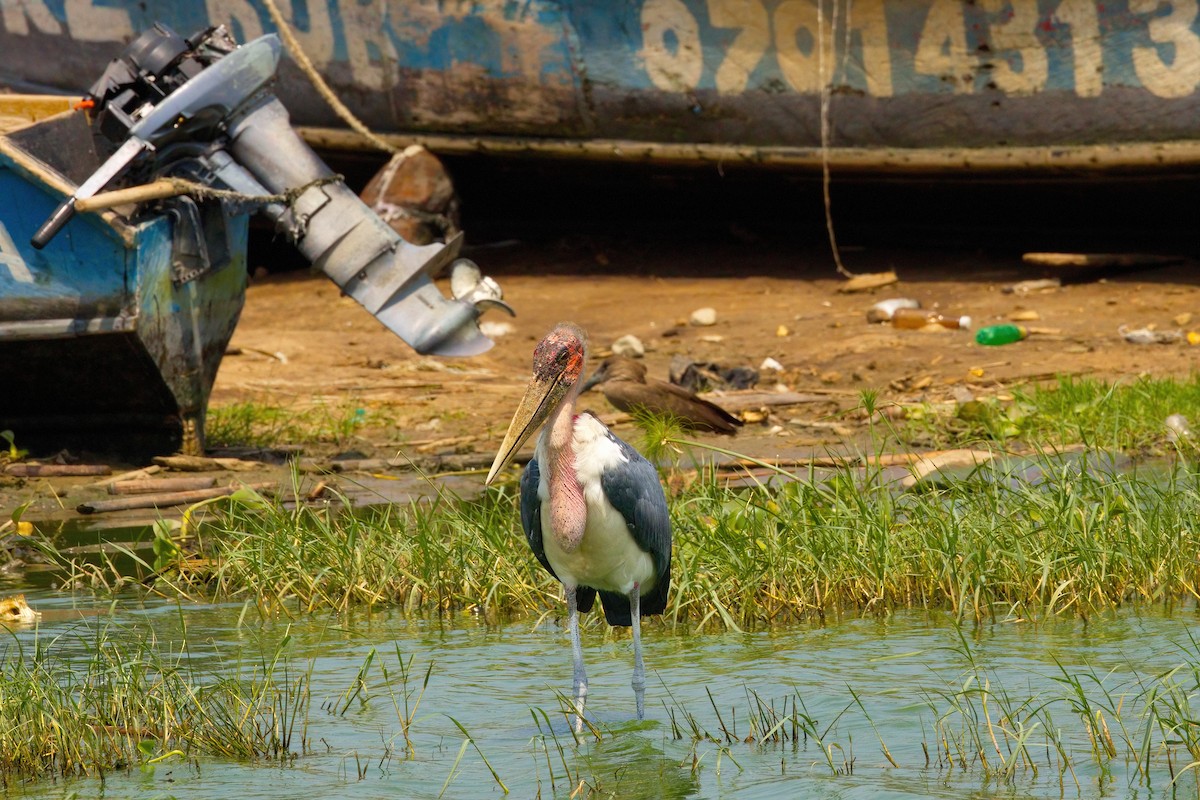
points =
(57, 470)
(18, 110)
(165, 499)
(152, 485)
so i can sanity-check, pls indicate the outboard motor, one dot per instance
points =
(201, 109)
(117, 321)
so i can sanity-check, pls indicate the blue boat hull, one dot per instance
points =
(102, 344)
(878, 76)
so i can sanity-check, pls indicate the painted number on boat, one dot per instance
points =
(882, 49)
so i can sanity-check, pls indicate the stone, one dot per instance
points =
(703, 317)
(629, 345)
(414, 195)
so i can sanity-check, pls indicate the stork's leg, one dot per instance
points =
(579, 679)
(639, 669)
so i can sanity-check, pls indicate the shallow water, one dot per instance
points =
(905, 669)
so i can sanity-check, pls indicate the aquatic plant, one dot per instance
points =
(113, 699)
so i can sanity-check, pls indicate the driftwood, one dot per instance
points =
(133, 475)
(204, 464)
(1098, 260)
(867, 281)
(152, 485)
(165, 499)
(57, 470)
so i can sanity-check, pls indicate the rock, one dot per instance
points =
(629, 345)
(413, 194)
(703, 317)
(770, 363)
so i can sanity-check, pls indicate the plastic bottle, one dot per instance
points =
(919, 318)
(1001, 334)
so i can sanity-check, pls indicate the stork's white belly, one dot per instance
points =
(606, 559)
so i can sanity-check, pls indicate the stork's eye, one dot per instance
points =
(14, 611)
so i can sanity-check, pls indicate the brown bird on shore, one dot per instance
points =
(623, 381)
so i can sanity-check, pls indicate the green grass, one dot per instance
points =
(982, 547)
(125, 700)
(255, 424)
(1128, 415)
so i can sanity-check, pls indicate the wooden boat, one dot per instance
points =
(862, 86)
(105, 343)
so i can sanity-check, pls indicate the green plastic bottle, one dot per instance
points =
(1001, 334)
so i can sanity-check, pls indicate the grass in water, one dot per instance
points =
(124, 700)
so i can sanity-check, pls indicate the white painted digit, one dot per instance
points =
(17, 14)
(747, 48)
(1012, 37)
(88, 22)
(1080, 16)
(802, 71)
(671, 49)
(871, 23)
(942, 49)
(10, 257)
(1179, 74)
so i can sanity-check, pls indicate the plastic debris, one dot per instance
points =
(884, 309)
(1178, 429)
(629, 345)
(915, 318)
(701, 376)
(1001, 334)
(1149, 335)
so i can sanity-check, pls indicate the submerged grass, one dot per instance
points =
(123, 700)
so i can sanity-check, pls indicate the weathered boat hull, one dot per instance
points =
(868, 84)
(101, 343)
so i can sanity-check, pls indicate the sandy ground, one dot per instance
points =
(771, 301)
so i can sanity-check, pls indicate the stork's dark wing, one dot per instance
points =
(531, 522)
(635, 492)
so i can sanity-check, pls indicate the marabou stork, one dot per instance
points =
(623, 381)
(592, 507)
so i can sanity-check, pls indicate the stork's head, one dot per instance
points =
(557, 367)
